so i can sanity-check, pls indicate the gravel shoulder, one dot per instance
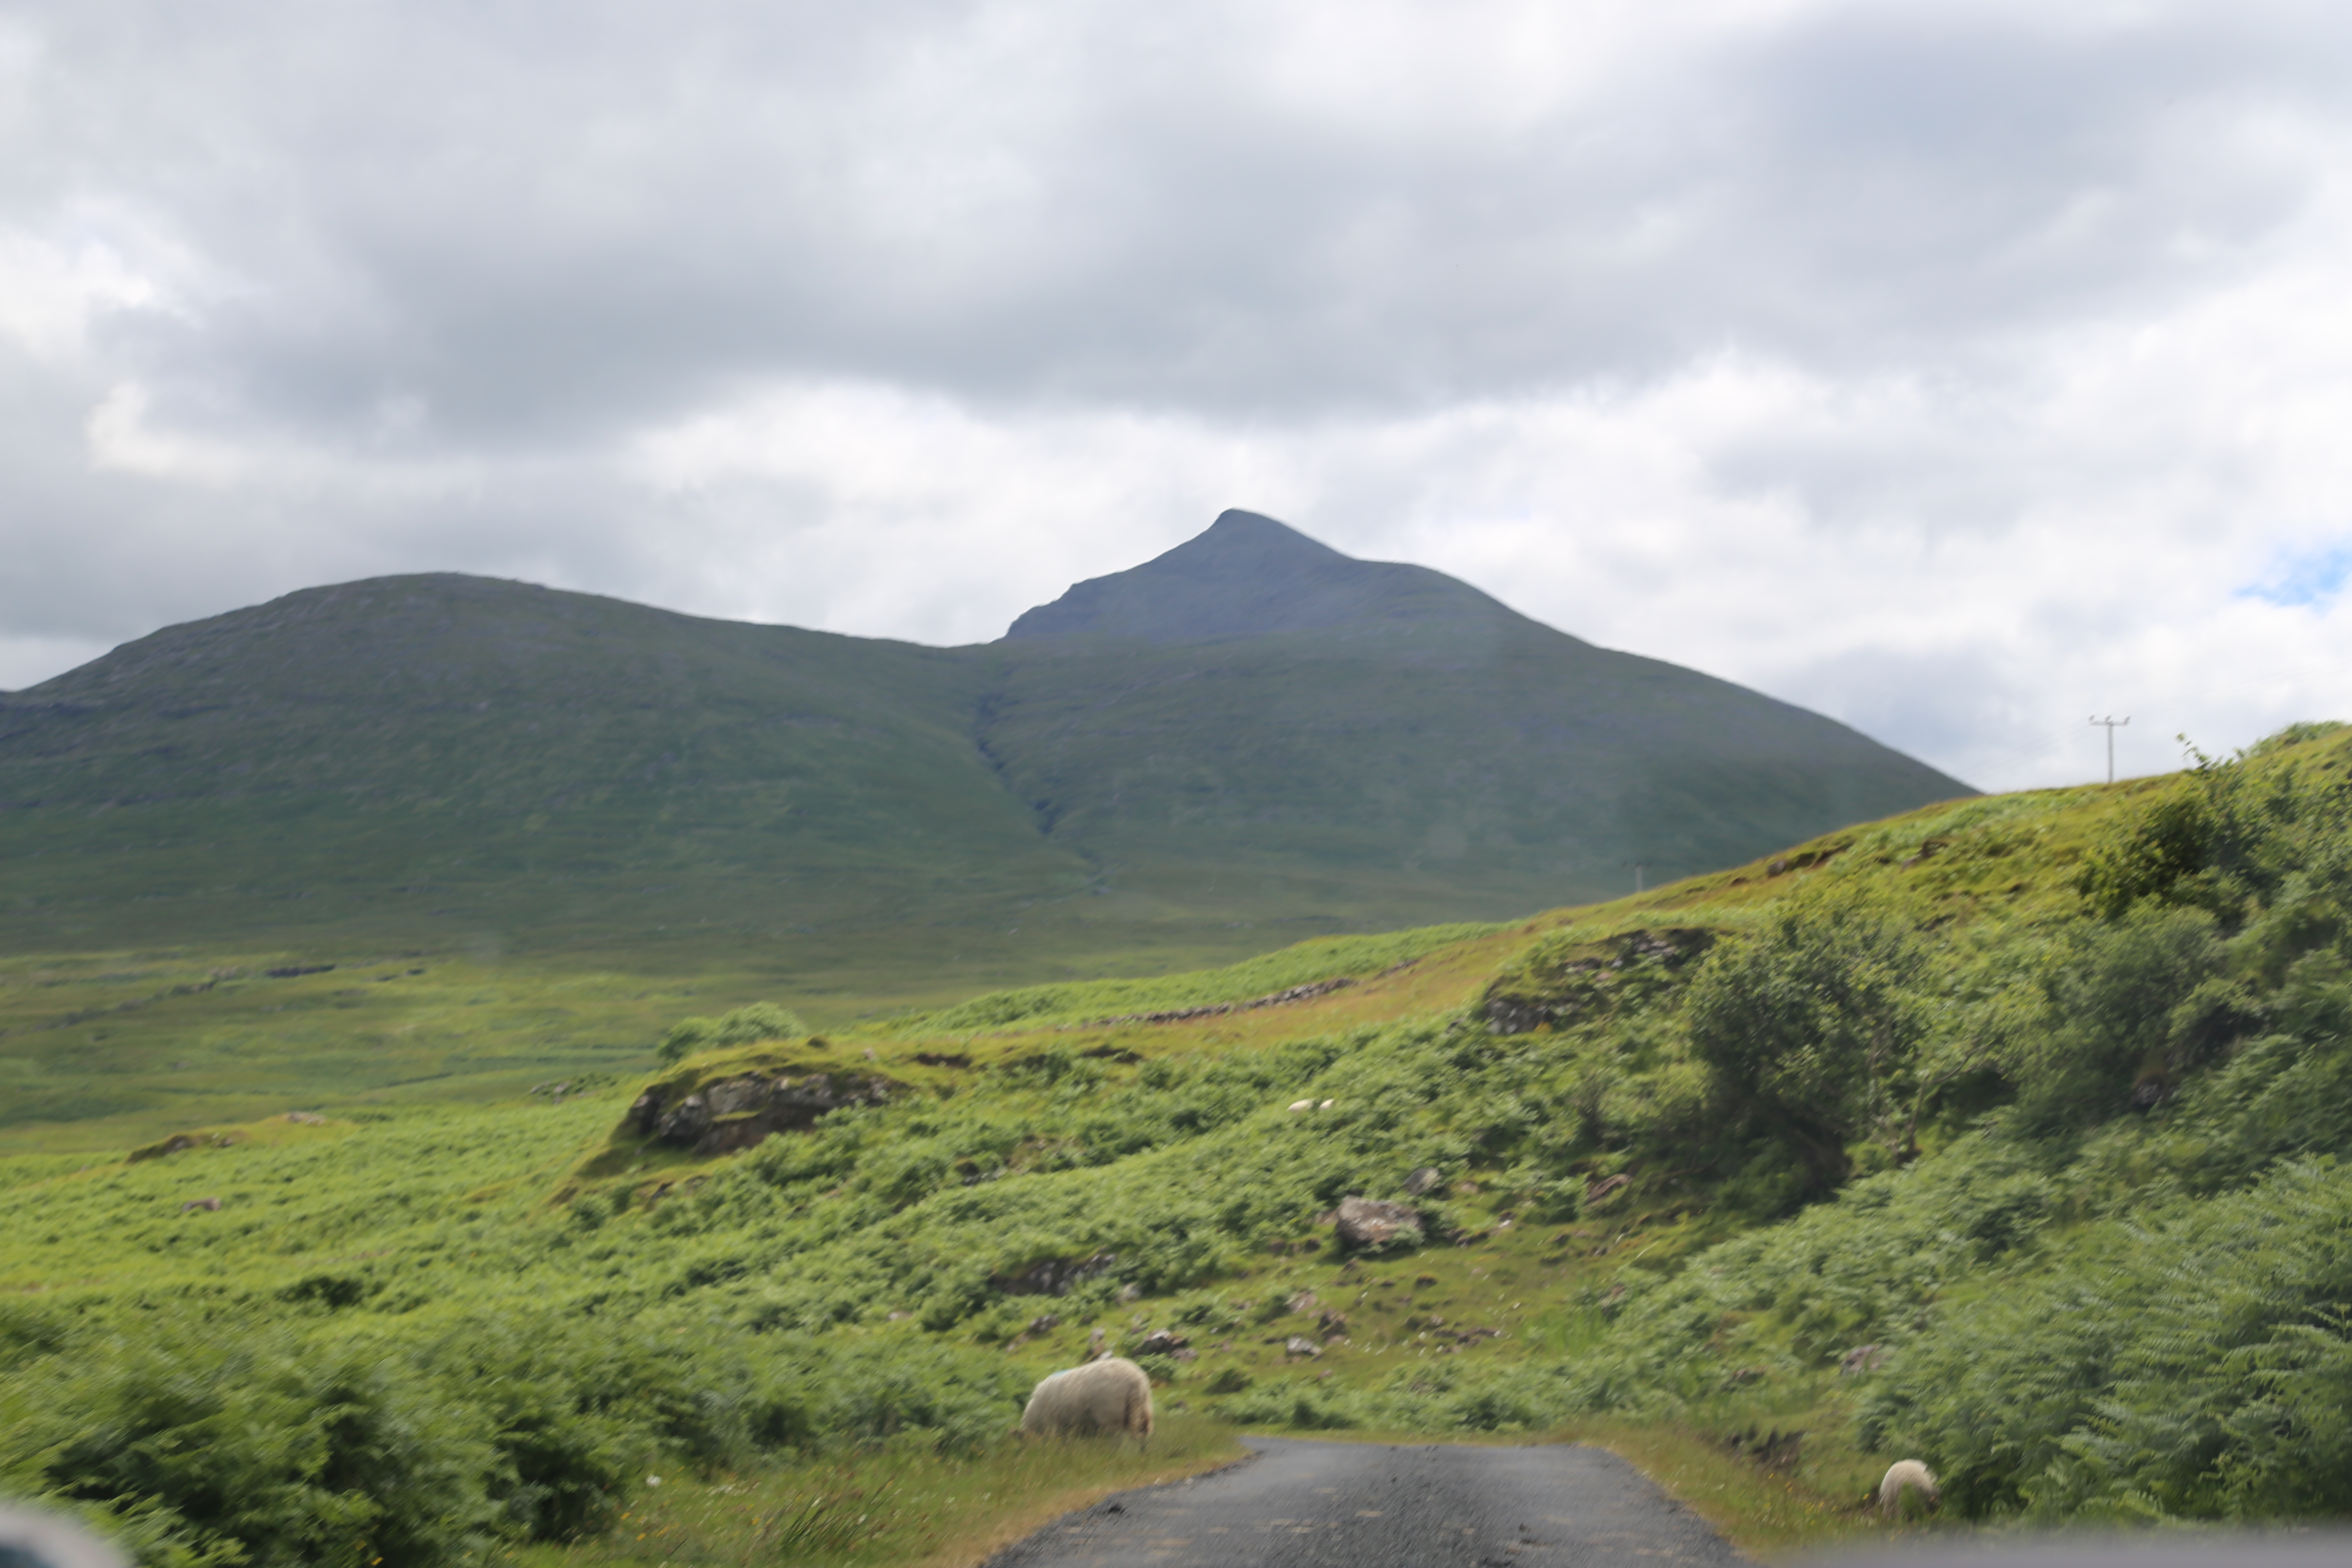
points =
(1298, 1502)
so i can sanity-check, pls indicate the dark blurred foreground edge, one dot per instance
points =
(2328, 1548)
(31, 1538)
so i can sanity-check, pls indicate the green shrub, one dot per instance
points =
(743, 1027)
(1811, 1026)
(239, 1442)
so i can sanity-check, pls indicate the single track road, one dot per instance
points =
(1303, 1504)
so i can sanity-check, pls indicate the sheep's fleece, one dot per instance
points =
(1111, 1395)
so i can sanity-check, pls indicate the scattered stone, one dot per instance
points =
(1606, 1188)
(1219, 1009)
(1161, 1341)
(210, 1206)
(1331, 1326)
(306, 1118)
(1861, 1359)
(1044, 1322)
(1305, 1302)
(1094, 1342)
(1423, 1181)
(1369, 1222)
(1300, 1345)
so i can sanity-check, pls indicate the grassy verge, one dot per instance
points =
(904, 1504)
(1772, 1512)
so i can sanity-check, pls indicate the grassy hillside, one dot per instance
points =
(2005, 1134)
(592, 797)
(443, 760)
(503, 835)
(1469, 768)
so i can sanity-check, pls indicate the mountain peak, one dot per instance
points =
(1249, 575)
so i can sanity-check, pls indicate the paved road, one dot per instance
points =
(1301, 1504)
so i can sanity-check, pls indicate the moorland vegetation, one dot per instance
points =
(2006, 1134)
(590, 818)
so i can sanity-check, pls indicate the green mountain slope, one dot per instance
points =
(444, 759)
(1398, 739)
(1251, 735)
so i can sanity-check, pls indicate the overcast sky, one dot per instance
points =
(1961, 371)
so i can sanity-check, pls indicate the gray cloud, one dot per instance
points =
(551, 228)
(1672, 327)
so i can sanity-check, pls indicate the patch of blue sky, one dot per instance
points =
(2304, 579)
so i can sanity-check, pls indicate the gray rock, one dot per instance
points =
(686, 1121)
(1428, 1179)
(737, 1112)
(736, 1095)
(1364, 1223)
(1300, 1345)
(1515, 1016)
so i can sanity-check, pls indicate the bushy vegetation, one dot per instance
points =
(2005, 1136)
(743, 1027)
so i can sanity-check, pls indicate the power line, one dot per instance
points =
(2111, 721)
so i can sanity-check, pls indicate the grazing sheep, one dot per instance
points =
(1112, 1396)
(1907, 1475)
(1299, 1105)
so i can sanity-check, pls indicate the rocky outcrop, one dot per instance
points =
(1365, 1224)
(737, 1112)
(1562, 986)
(1219, 1009)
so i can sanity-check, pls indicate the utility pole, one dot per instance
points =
(2111, 721)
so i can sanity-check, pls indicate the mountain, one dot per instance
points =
(1251, 738)
(1254, 706)
(1251, 576)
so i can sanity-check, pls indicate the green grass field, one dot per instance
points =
(2006, 1134)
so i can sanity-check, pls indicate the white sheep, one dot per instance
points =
(1298, 1105)
(1112, 1395)
(1907, 1475)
